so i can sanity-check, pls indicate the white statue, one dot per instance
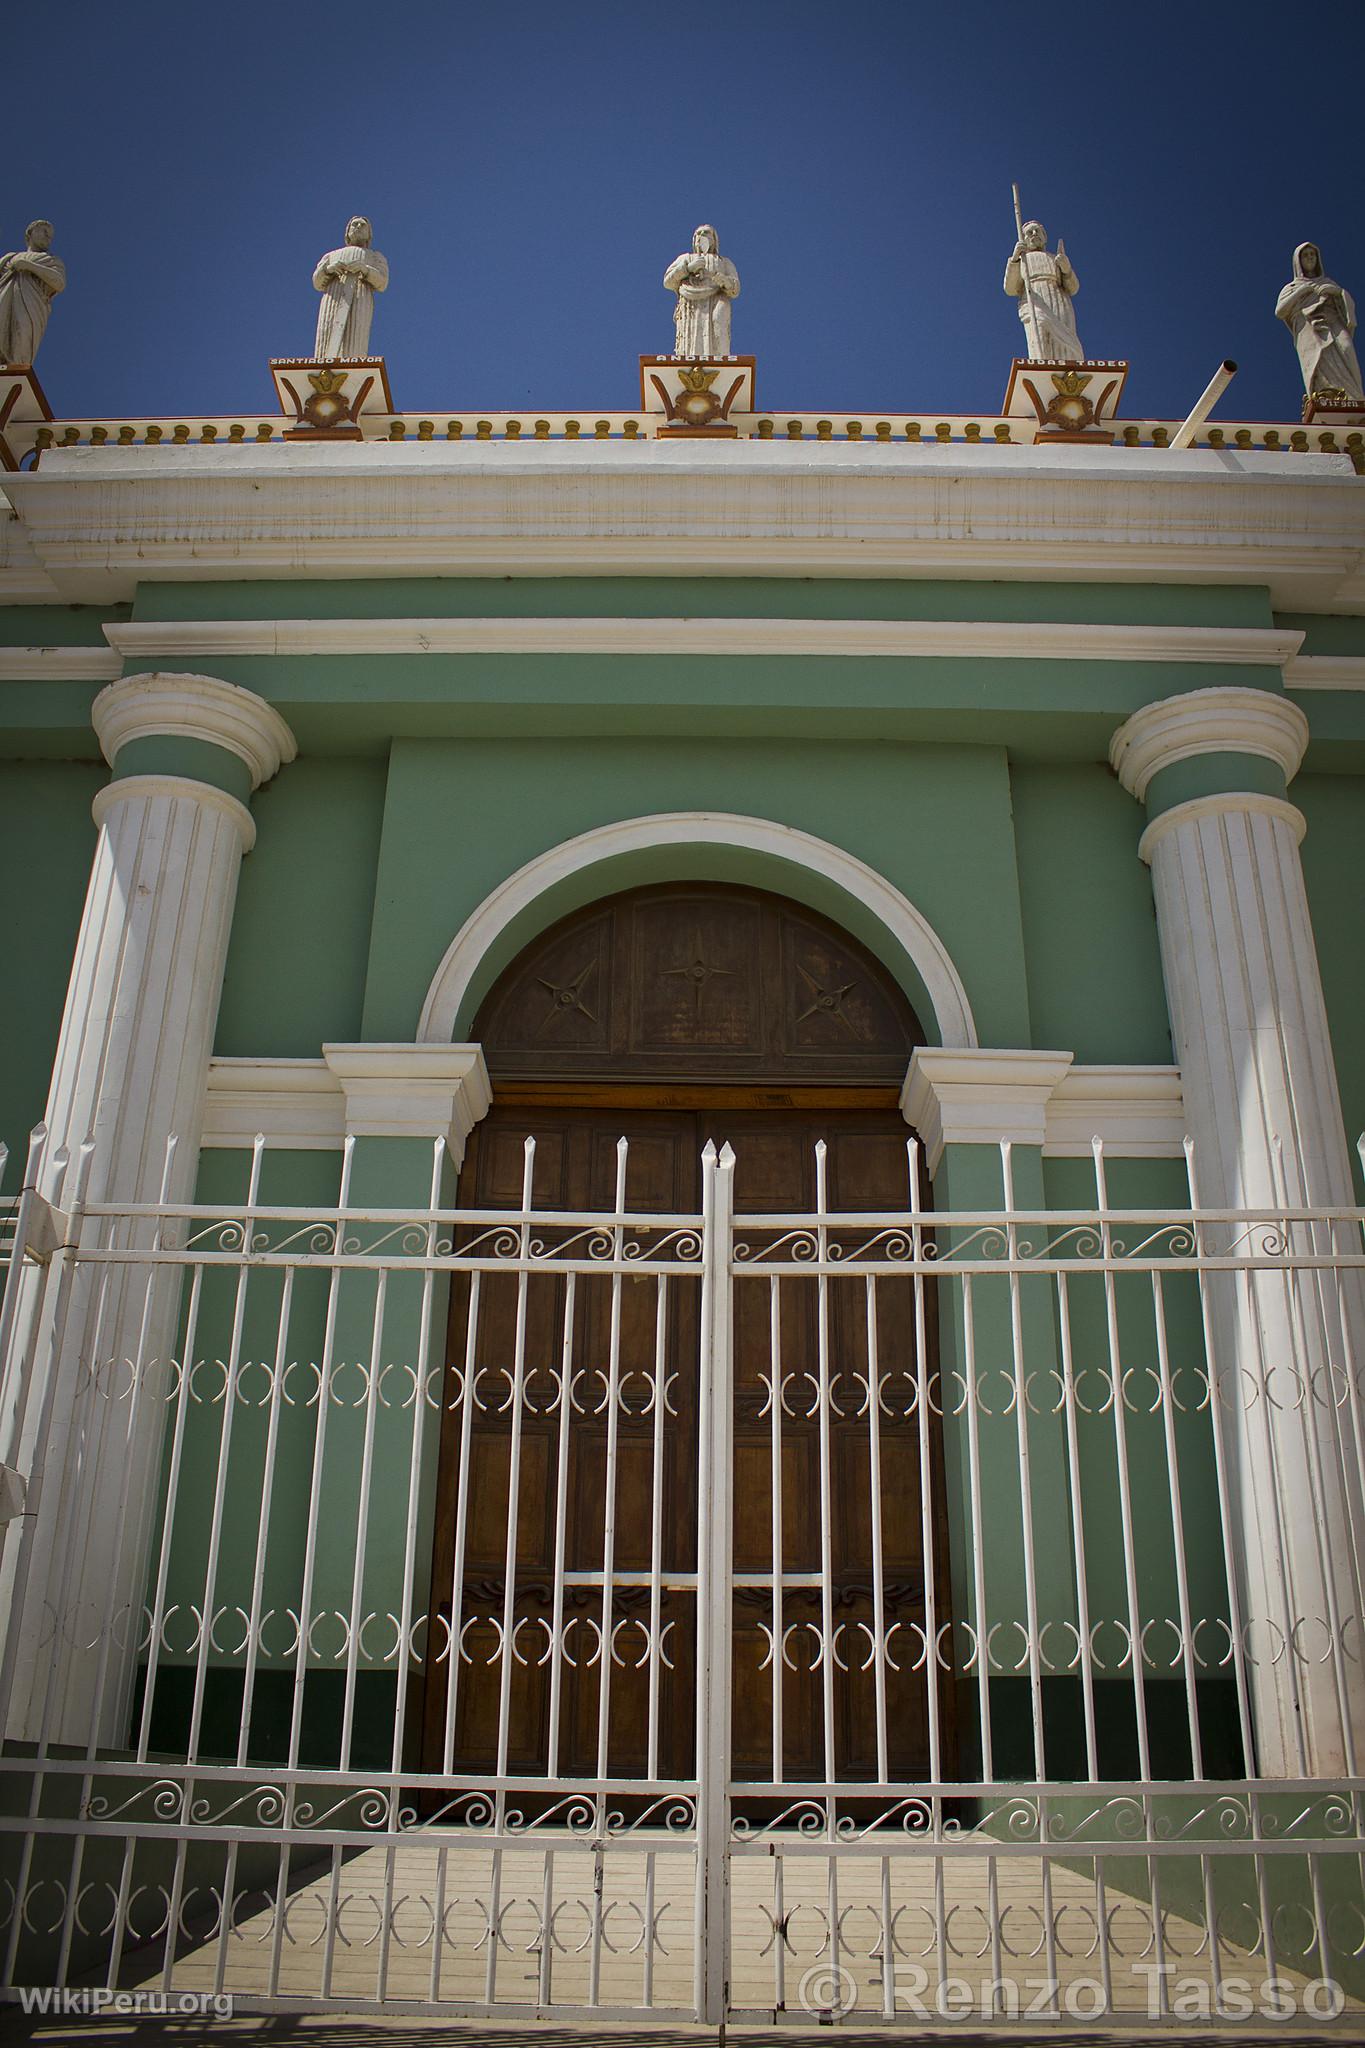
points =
(1044, 286)
(348, 279)
(1322, 318)
(705, 282)
(30, 279)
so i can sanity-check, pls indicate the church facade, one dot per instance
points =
(684, 1328)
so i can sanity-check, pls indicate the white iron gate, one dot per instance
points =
(883, 1615)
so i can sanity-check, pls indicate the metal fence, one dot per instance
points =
(900, 1615)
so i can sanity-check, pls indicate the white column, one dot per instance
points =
(1250, 1029)
(130, 1072)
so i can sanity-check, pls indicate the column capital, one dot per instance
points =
(975, 1096)
(412, 1091)
(1220, 721)
(165, 705)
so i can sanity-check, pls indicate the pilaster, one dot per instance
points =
(129, 1074)
(1250, 1030)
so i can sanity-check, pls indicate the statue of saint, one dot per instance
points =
(705, 282)
(30, 279)
(1044, 286)
(1322, 319)
(348, 279)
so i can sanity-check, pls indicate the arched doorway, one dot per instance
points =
(675, 1015)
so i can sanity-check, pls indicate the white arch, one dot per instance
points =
(898, 916)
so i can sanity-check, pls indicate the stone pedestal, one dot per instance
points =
(130, 1070)
(329, 401)
(22, 400)
(1066, 401)
(684, 395)
(1260, 1089)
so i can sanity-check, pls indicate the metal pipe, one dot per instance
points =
(1218, 384)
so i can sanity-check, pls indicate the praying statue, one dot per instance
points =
(30, 279)
(1322, 318)
(1044, 286)
(705, 282)
(348, 279)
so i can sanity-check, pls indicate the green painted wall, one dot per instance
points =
(47, 838)
(1334, 869)
(296, 963)
(460, 818)
(57, 625)
(1094, 965)
(786, 597)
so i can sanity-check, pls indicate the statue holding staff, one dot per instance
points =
(348, 279)
(30, 279)
(1044, 285)
(705, 282)
(1321, 316)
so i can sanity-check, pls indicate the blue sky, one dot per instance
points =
(531, 168)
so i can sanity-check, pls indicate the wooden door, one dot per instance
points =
(562, 1510)
(671, 1017)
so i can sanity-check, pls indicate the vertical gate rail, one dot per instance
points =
(958, 1705)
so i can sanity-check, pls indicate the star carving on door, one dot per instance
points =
(697, 971)
(828, 1002)
(567, 995)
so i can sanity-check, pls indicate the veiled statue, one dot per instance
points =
(30, 279)
(348, 279)
(1044, 285)
(705, 282)
(1321, 316)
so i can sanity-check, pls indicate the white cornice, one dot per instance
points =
(1219, 721)
(99, 520)
(924, 638)
(297, 1104)
(1325, 672)
(379, 1090)
(58, 664)
(168, 705)
(979, 1096)
(1136, 1112)
(412, 1091)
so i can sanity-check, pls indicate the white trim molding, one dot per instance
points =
(411, 1091)
(1042, 1098)
(1325, 672)
(364, 1091)
(1219, 721)
(1232, 804)
(905, 925)
(297, 1104)
(163, 704)
(980, 1096)
(58, 664)
(1137, 1112)
(930, 639)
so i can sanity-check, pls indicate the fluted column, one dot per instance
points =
(1250, 1028)
(129, 1073)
